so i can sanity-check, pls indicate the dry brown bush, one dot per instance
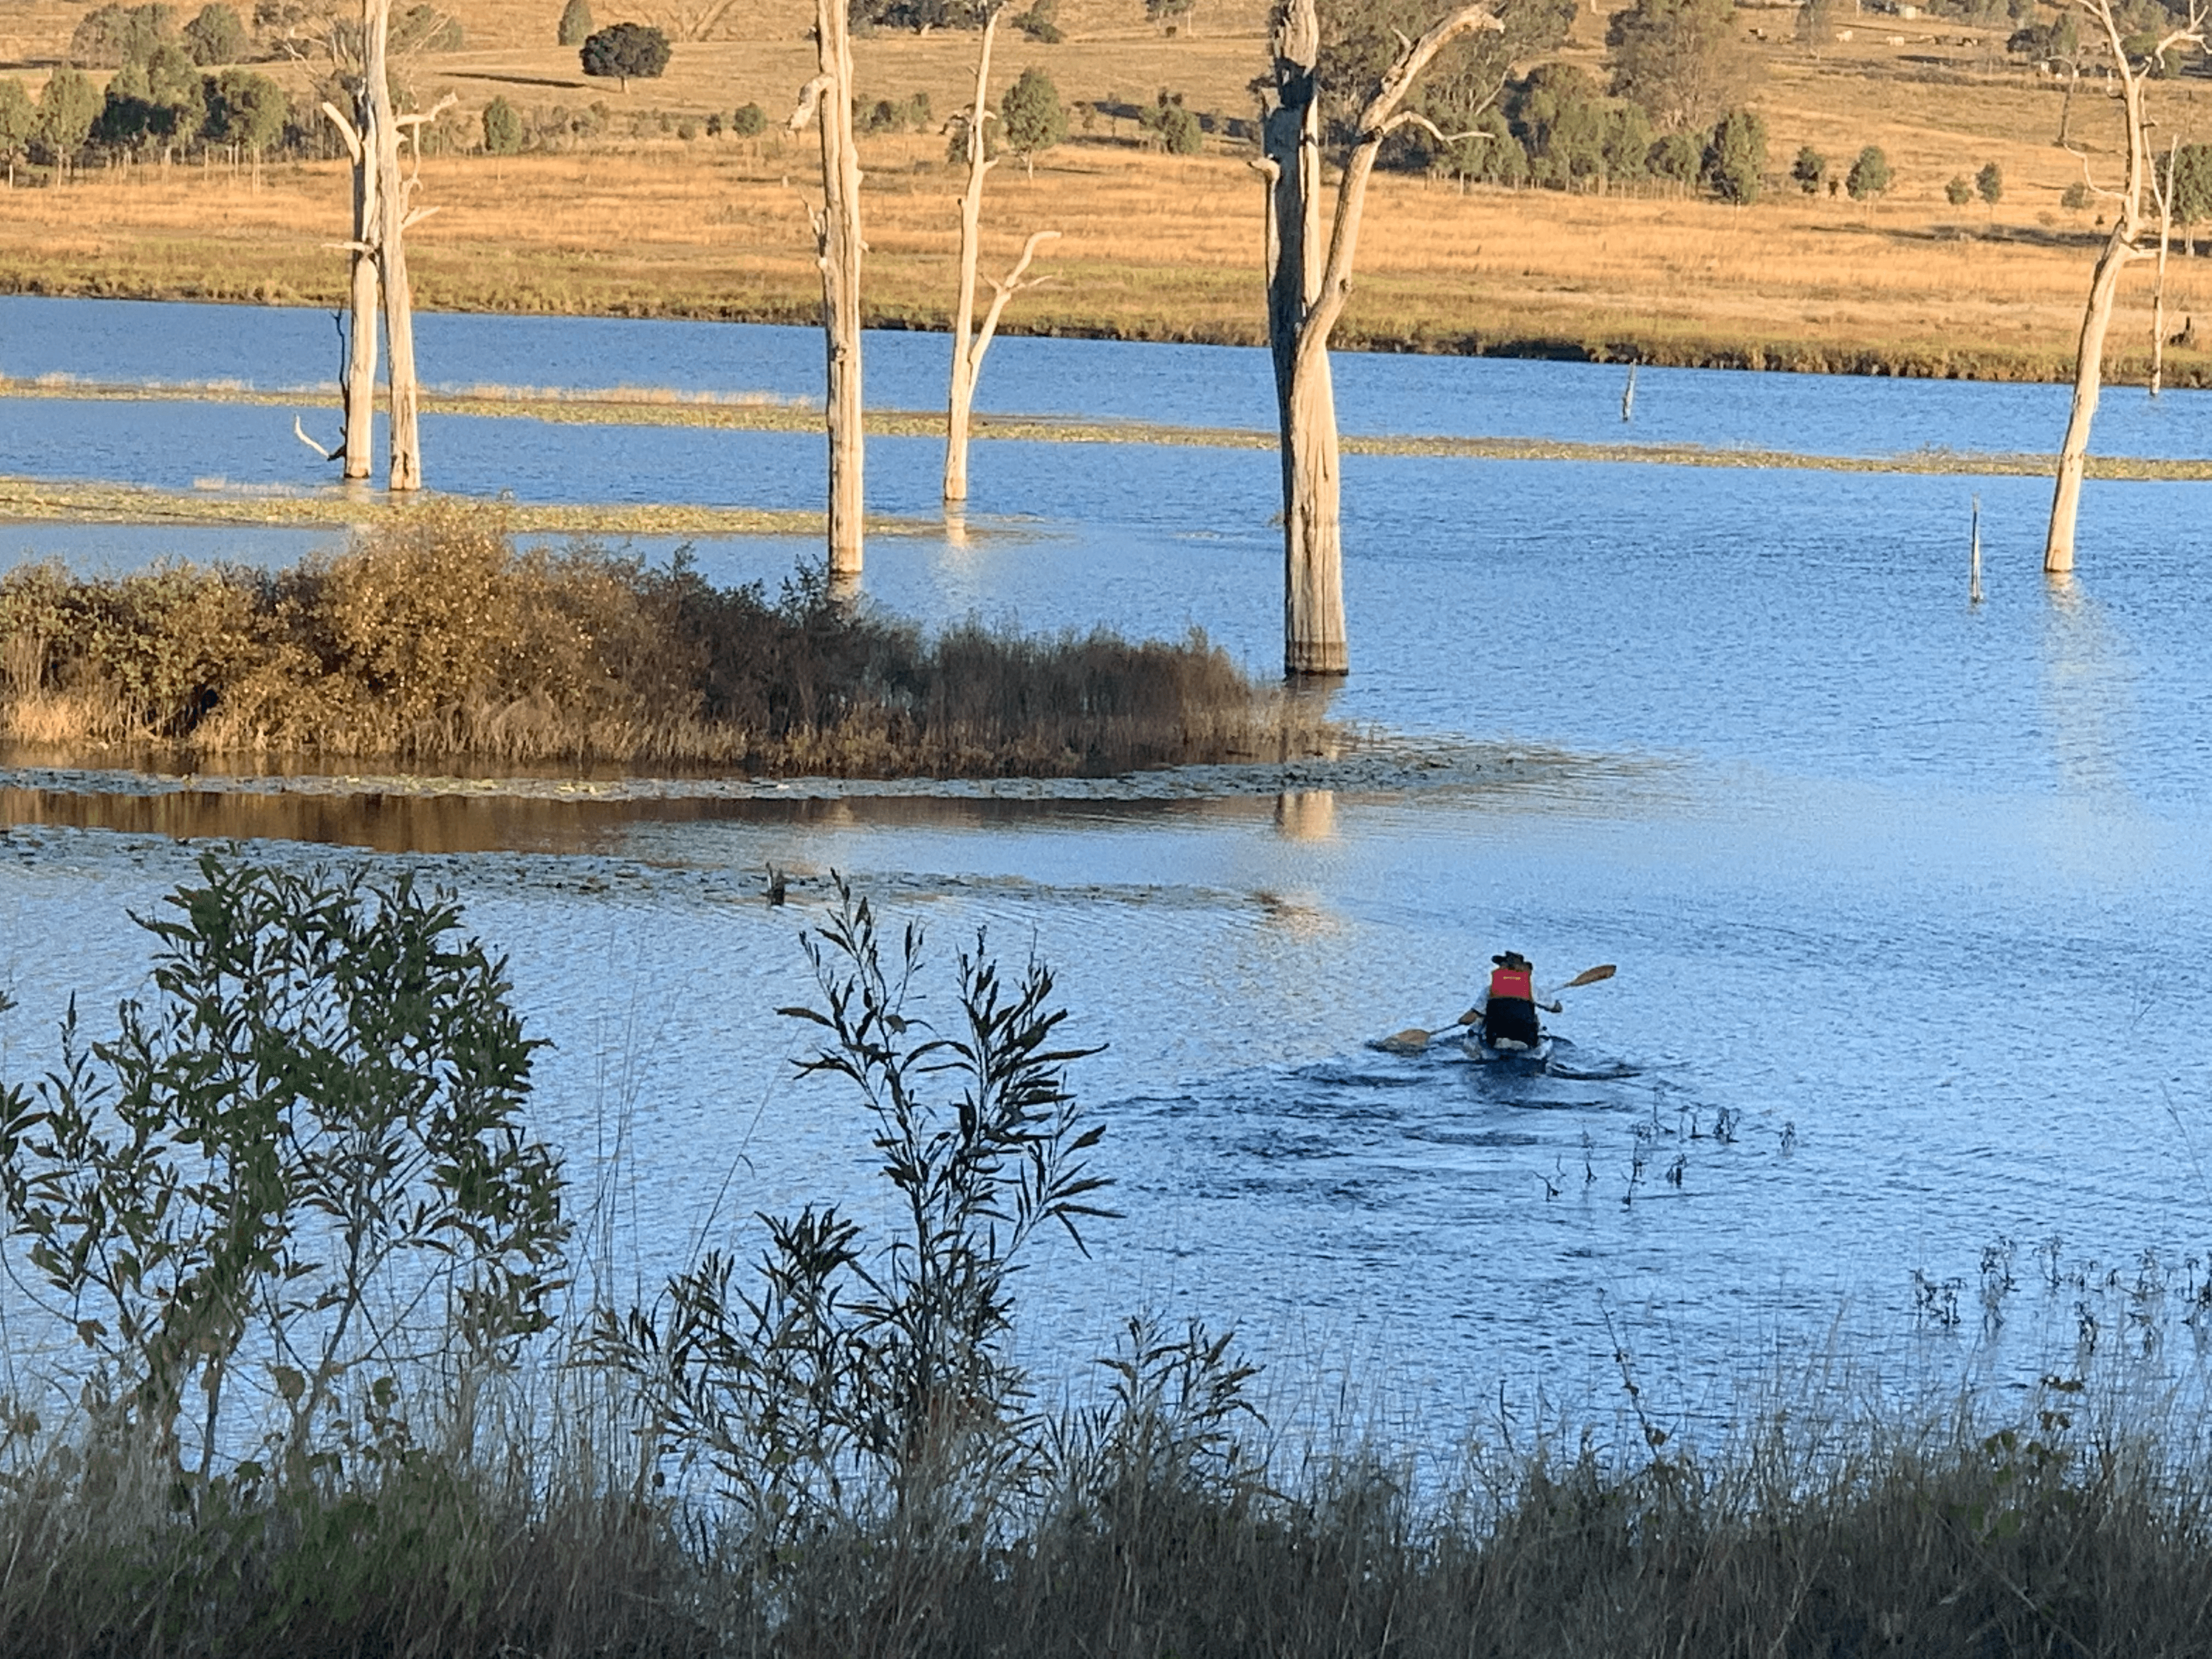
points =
(436, 637)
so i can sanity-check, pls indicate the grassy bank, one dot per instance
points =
(832, 1455)
(435, 639)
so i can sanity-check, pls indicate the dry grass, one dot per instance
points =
(434, 638)
(1158, 247)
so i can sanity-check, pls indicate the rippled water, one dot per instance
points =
(1914, 892)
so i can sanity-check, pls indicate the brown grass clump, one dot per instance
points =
(434, 637)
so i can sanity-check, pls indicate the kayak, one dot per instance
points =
(1507, 1051)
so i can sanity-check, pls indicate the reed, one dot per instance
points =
(434, 637)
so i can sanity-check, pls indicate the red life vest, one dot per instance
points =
(1518, 984)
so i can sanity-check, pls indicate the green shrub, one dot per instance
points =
(1176, 127)
(216, 37)
(1870, 175)
(749, 122)
(1735, 157)
(1030, 116)
(625, 52)
(502, 128)
(1810, 169)
(575, 26)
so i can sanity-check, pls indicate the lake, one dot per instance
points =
(1913, 891)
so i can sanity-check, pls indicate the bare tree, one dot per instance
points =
(1308, 282)
(969, 343)
(827, 101)
(2161, 184)
(381, 217)
(360, 388)
(2125, 243)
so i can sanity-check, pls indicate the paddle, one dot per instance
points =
(1413, 1039)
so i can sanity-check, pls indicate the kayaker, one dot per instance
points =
(1507, 1010)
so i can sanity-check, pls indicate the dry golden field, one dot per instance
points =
(1165, 247)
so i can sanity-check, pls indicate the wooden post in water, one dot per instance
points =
(1974, 558)
(1628, 397)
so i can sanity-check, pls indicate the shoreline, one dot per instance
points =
(1657, 348)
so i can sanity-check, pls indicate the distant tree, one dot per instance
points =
(1810, 169)
(1989, 183)
(1040, 22)
(1178, 128)
(1361, 39)
(1680, 59)
(1735, 157)
(502, 129)
(750, 121)
(67, 109)
(1628, 144)
(626, 49)
(1168, 11)
(1030, 116)
(216, 37)
(112, 36)
(2075, 197)
(1870, 175)
(425, 28)
(1676, 156)
(1959, 190)
(1816, 24)
(576, 23)
(1560, 117)
(19, 120)
(246, 109)
(2192, 184)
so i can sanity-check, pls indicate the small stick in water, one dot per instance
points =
(1628, 396)
(1974, 559)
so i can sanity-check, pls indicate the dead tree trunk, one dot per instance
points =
(838, 246)
(1306, 291)
(2162, 183)
(359, 393)
(969, 343)
(2123, 246)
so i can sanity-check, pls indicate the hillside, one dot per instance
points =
(635, 219)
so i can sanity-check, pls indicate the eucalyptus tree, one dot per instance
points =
(1310, 278)
(2125, 243)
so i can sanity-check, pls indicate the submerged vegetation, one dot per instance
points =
(436, 637)
(301, 1361)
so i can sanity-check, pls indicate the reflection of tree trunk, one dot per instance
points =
(829, 98)
(1306, 294)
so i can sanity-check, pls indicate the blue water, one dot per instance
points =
(1915, 889)
(277, 349)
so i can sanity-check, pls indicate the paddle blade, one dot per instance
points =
(1409, 1041)
(1590, 976)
